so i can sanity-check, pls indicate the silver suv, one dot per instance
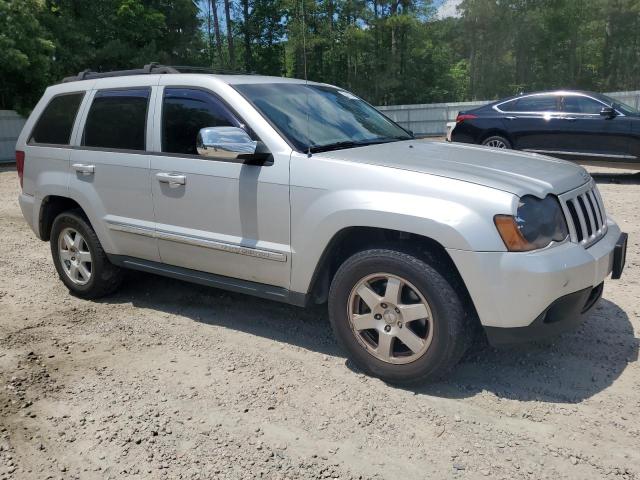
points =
(303, 193)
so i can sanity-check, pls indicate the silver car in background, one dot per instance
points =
(303, 193)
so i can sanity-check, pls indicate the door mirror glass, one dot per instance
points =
(226, 143)
(608, 112)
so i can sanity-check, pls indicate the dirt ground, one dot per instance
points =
(172, 380)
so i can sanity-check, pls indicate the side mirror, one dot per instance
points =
(608, 112)
(226, 143)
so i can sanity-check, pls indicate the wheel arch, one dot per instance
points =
(50, 207)
(351, 240)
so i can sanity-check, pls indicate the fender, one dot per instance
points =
(444, 210)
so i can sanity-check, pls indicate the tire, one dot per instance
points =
(85, 253)
(447, 334)
(496, 141)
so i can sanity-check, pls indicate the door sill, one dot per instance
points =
(261, 290)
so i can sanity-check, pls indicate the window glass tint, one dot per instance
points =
(56, 122)
(576, 104)
(117, 119)
(535, 103)
(184, 112)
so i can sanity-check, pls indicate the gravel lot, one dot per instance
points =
(172, 380)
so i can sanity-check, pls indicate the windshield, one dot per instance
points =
(623, 107)
(321, 118)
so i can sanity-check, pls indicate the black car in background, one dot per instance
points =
(574, 125)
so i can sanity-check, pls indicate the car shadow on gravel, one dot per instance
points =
(565, 369)
(306, 328)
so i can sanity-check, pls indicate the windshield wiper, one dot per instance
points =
(334, 146)
(352, 144)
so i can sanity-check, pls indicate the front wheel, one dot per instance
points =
(398, 317)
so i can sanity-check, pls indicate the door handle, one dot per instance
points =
(570, 119)
(84, 169)
(510, 117)
(173, 179)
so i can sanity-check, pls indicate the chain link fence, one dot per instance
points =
(10, 126)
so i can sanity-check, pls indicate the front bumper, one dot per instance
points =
(514, 291)
(562, 315)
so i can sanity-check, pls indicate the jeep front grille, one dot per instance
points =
(585, 215)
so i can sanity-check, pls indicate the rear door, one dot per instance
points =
(532, 121)
(110, 169)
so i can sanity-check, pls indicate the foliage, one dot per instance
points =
(25, 49)
(387, 51)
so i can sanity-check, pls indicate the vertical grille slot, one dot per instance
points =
(600, 206)
(596, 215)
(586, 215)
(575, 220)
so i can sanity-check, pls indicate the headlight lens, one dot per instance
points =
(537, 223)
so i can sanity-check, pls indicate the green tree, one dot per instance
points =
(25, 53)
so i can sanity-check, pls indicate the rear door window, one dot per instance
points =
(56, 122)
(117, 119)
(533, 103)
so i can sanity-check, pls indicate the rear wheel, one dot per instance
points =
(496, 141)
(397, 317)
(78, 256)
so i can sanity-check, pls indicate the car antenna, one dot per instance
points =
(306, 80)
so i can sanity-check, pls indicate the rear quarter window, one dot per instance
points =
(56, 121)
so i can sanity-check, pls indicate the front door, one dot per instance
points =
(587, 135)
(214, 215)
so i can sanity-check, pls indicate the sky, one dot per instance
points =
(447, 8)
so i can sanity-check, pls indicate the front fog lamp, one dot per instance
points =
(537, 223)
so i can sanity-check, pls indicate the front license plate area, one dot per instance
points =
(619, 256)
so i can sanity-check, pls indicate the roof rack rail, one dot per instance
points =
(221, 71)
(149, 69)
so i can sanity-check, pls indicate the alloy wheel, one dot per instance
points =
(390, 318)
(75, 256)
(495, 143)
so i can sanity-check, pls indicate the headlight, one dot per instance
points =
(537, 223)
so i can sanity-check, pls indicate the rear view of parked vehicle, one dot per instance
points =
(587, 127)
(303, 193)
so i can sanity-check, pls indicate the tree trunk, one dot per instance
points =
(227, 12)
(247, 37)
(209, 37)
(216, 29)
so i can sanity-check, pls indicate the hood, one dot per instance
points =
(508, 170)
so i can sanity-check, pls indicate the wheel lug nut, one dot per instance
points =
(383, 305)
(377, 316)
(387, 328)
(397, 310)
(399, 324)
